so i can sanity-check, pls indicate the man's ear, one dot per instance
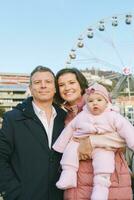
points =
(30, 88)
(28, 92)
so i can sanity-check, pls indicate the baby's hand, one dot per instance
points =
(85, 148)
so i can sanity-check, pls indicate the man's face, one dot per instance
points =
(42, 87)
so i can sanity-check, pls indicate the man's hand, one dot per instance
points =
(85, 148)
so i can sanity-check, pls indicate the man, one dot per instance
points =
(29, 167)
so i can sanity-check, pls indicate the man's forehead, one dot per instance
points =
(43, 75)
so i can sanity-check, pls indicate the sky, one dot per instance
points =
(42, 32)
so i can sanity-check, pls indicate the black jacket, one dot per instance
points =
(28, 168)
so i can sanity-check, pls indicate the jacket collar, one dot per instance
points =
(27, 109)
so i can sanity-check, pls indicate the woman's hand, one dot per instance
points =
(85, 148)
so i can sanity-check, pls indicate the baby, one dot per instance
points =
(97, 117)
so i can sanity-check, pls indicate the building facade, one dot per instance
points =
(13, 89)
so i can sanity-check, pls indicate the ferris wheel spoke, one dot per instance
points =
(118, 87)
(97, 59)
(106, 63)
(113, 76)
(130, 59)
(118, 55)
(116, 50)
(109, 40)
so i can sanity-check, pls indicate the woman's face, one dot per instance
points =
(69, 88)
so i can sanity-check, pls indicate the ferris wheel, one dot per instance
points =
(108, 45)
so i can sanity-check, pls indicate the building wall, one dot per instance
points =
(13, 89)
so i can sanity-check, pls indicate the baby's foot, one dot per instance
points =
(68, 179)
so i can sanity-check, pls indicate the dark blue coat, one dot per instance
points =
(28, 168)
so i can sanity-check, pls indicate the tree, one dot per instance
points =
(2, 110)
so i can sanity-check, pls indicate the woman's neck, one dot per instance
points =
(74, 103)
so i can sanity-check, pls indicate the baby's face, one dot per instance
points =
(96, 103)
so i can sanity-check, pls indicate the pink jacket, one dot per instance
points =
(85, 123)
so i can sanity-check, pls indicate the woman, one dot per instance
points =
(130, 161)
(71, 85)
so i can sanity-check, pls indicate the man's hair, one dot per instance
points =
(79, 76)
(40, 68)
